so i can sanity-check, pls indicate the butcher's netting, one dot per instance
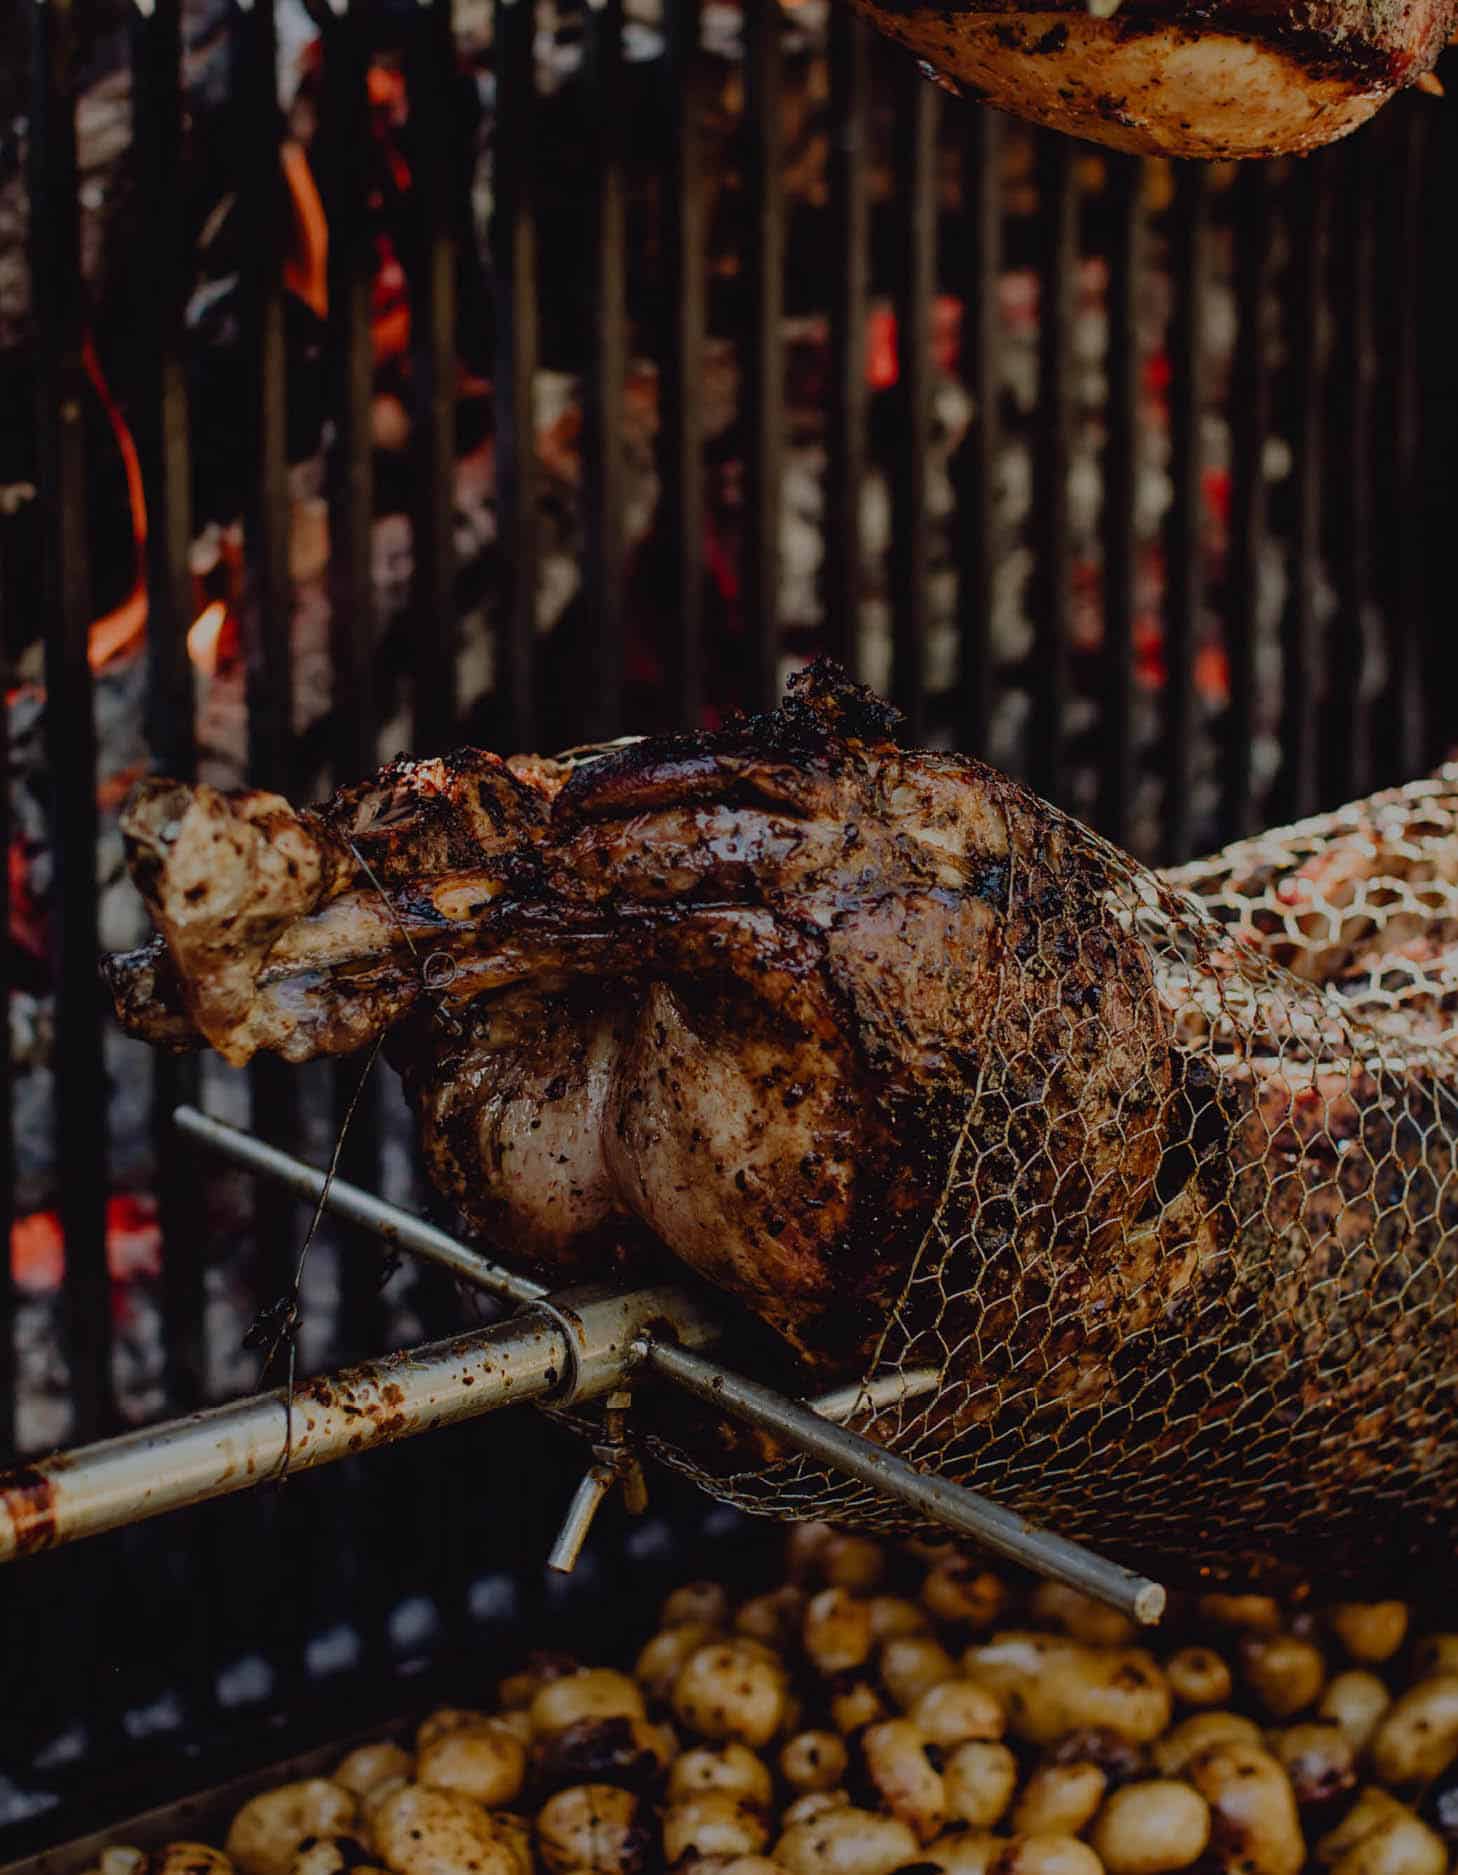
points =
(1208, 1313)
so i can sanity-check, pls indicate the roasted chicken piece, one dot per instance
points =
(1178, 77)
(916, 1071)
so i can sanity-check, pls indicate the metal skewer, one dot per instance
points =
(938, 1500)
(568, 1347)
(577, 1352)
(387, 1221)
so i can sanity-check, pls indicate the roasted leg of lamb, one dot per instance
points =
(1178, 77)
(919, 1074)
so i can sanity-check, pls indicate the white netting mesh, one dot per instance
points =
(1189, 1287)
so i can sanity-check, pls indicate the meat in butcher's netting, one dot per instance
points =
(1199, 1307)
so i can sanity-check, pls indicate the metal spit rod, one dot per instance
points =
(387, 1221)
(573, 1346)
(937, 1499)
(578, 1351)
(812, 1428)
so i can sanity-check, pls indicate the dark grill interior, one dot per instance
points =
(1132, 476)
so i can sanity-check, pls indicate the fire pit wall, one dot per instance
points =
(389, 377)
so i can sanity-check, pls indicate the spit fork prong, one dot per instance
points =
(598, 1338)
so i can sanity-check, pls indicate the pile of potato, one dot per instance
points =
(905, 1712)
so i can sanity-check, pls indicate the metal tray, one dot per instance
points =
(203, 1817)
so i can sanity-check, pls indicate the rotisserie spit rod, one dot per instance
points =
(574, 1347)
(579, 1348)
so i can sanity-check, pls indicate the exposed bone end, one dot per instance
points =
(148, 1000)
(223, 875)
(1145, 81)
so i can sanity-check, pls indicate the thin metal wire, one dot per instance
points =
(289, 1331)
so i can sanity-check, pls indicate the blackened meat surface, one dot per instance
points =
(920, 1074)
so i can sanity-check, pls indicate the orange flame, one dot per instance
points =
(115, 630)
(204, 636)
(306, 270)
(133, 1245)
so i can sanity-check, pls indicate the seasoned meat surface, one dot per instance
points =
(1178, 77)
(918, 1072)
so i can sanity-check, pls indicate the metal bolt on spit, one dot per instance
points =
(617, 1465)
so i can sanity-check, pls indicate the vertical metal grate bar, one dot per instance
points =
(1184, 560)
(430, 74)
(1057, 237)
(268, 612)
(1344, 763)
(61, 337)
(602, 403)
(977, 461)
(1250, 415)
(849, 394)
(268, 609)
(1402, 749)
(1119, 525)
(515, 251)
(161, 426)
(915, 167)
(9, 1372)
(1309, 221)
(763, 393)
(345, 133)
(682, 412)
(161, 423)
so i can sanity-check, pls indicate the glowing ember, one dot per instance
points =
(204, 636)
(133, 1245)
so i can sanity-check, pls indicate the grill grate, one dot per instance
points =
(1330, 383)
